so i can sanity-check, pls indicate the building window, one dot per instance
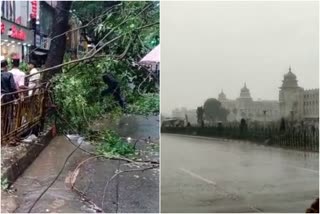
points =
(15, 11)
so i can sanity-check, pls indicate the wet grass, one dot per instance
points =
(4, 184)
(111, 144)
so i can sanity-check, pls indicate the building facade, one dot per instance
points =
(295, 102)
(245, 107)
(311, 104)
(17, 35)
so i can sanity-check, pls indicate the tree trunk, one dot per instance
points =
(58, 45)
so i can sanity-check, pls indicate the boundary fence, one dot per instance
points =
(306, 139)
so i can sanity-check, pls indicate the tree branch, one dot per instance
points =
(78, 28)
(121, 23)
(89, 56)
(74, 61)
(89, 23)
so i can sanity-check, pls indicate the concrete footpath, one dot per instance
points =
(136, 191)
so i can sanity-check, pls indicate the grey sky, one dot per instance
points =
(207, 46)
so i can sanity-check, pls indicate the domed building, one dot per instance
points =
(290, 80)
(290, 97)
(295, 102)
(245, 93)
(245, 107)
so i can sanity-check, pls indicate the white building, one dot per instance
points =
(245, 107)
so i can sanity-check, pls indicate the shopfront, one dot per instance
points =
(17, 37)
(15, 40)
(43, 32)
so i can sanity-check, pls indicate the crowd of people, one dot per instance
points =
(15, 80)
(15, 85)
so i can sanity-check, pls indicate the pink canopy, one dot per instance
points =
(152, 57)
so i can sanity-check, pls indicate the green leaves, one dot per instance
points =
(128, 20)
(4, 183)
(113, 145)
(77, 91)
(146, 104)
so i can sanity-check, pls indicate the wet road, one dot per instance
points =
(136, 191)
(211, 175)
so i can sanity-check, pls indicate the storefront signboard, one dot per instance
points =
(16, 33)
(3, 28)
(11, 31)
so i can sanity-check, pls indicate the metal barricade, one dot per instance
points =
(21, 111)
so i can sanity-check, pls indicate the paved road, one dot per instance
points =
(210, 175)
(136, 191)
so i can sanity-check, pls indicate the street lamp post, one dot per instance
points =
(292, 116)
(264, 114)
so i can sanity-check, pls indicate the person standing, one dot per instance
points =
(18, 75)
(34, 80)
(113, 89)
(7, 82)
(7, 86)
(19, 79)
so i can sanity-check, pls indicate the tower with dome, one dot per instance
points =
(295, 102)
(291, 97)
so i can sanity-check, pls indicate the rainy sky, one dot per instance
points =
(209, 46)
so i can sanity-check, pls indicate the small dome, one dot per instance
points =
(222, 93)
(222, 96)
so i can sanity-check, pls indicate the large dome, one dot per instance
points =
(289, 80)
(245, 93)
(290, 75)
(245, 89)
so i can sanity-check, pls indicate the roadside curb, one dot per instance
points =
(13, 167)
(207, 138)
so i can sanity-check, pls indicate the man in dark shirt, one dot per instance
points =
(113, 89)
(7, 82)
(7, 86)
